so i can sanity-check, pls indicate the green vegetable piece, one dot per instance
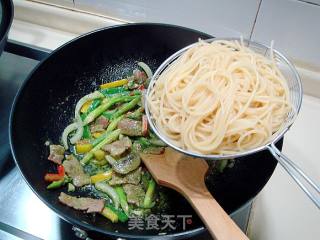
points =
(109, 138)
(123, 199)
(110, 91)
(122, 216)
(96, 141)
(71, 187)
(106, 104)
(125, 93)
(131, 84)
(56, 184)
(137, 114)
(106, 188)
(126, 107)
(94, 105)
(157, 142)
(110, 214)
(114, 123)
(94, 169)
(99, 163)
(222, 165)
(111, 127)
(145, 178)
(144, 142)
(147, 203)
(109, 114)
(83, 116)
(86, 130)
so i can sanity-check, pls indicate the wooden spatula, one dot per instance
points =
(186, 175)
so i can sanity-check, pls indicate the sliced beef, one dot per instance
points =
(153, 150)
(56, 153)
(82, 203)
(132, 178)
(135, 194)
(96, 128)
(103, 121)
(118, 147)
(99, 125)
(130, 127)
(74, 170)
(139, 76)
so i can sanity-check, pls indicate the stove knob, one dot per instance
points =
(80, 233)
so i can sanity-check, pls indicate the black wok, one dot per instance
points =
(44, 106)
(6, 16)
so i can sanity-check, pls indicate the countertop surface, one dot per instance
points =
(282, 211)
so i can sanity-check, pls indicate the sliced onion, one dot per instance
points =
(110, 160)
(70, 128)
(84, 99)
(146, 69)
(77, 136)
(106, 188)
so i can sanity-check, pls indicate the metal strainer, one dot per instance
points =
(295, 88)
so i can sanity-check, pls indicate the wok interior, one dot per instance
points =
(47, 100)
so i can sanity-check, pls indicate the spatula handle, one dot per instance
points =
(217, 221)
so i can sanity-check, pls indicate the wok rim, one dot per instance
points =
(61, 214)
(6, 20)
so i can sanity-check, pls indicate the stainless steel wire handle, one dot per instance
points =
(305, 183)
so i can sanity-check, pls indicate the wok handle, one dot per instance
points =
(304, 182)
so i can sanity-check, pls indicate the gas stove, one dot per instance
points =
(22, 214)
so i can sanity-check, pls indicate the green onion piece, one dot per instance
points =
(123, 199)
(121, 215)
(94, 105)
(110, 214)
(108, 114)
(110, 91)
(71, 187)
(147, 203)
(114, 123)
(106, 188)
(109, 138)
(56, 184)
(126, 107)
(106, 104)
(222, 165)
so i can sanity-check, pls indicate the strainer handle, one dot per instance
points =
(304, 182)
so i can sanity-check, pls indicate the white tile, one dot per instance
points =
(294, 26)
(38, 35)
(65, 3)
(62, 19)
(311, 1)
(282, 211)
(219, 18)
(310, 81)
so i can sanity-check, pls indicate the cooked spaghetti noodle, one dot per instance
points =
(220, 98)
